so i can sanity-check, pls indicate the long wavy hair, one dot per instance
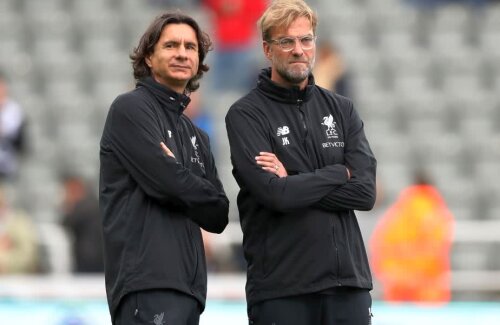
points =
(152, 36)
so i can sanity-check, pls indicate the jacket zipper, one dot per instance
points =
(180, 135)
(302, 117)
(196, 255)
(304, 126)
(336, 256)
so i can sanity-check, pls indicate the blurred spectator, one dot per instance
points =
(82, 221)
(410, 246)
(201, 119)
(197, 113)
(12, 127)
(221, 256)
(181, 4)
(235, 32)
(218, 255)
(330, 70)
(18, 240)
(435, 3)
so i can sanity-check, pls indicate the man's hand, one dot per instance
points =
(271, 163)
(166, 150)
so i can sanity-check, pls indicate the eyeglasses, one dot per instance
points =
(288, 43)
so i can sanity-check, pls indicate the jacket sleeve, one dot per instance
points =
(359, 192)
(248, 137)
(212, 217)
(135, 137)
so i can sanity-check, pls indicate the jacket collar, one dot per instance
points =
(167, 98)
(280, 93)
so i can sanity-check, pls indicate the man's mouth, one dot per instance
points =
(179, 66)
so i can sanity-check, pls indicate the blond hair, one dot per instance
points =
(281, 13)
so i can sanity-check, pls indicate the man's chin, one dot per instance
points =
(299, 74)
(182, 76)
(296, 78)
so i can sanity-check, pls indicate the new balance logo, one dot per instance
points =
(284, 130)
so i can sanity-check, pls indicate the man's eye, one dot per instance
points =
(287, 41)
(306, 40)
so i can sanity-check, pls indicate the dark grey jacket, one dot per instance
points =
(152, 205)
(300, 232)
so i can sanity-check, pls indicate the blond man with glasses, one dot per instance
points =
(303, 165)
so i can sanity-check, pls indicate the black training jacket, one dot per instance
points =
(152, 205)
(300, 234)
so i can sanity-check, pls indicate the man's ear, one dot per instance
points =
(267, 49)
(148, 61)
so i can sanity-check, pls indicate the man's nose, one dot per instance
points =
(181, 52)
(297, 48)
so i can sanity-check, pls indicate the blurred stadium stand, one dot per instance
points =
(426, 83)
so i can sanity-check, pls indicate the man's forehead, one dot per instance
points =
(293, 28)
(179, 32)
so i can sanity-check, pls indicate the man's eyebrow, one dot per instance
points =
(177, 41)
(171, 41)
(299, 36)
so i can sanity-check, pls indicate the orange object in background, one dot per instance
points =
(410, 247)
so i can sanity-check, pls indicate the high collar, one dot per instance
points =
(168, 98)
(283, 94)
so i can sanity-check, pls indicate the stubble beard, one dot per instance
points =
(294, 75)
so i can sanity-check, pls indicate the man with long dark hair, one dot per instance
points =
(158, 183)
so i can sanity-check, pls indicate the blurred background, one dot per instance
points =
(424, 76)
